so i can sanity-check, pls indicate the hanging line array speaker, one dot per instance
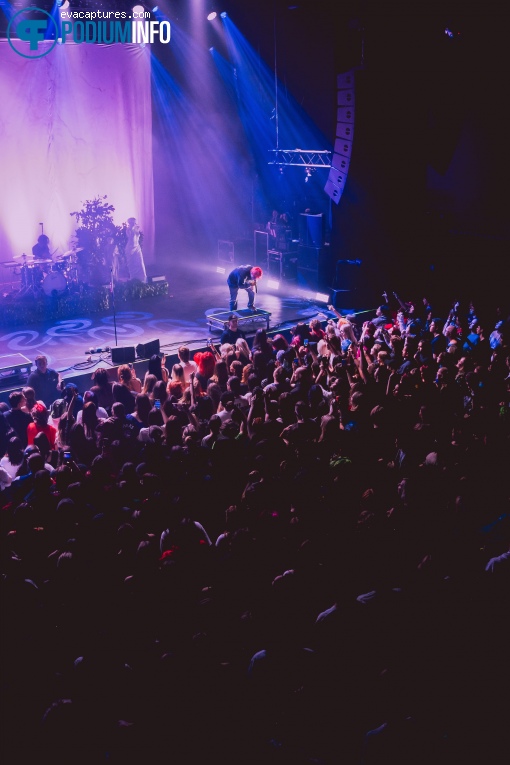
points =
(344, 136)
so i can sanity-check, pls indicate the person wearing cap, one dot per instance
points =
(61, 405)
(231, 333)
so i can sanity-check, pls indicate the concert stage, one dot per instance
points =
(77, 345)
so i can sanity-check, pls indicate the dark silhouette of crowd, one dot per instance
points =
(295, 551)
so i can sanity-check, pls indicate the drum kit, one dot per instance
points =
(41, 276)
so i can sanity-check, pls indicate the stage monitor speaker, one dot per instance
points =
(146, 350)
(124, 355)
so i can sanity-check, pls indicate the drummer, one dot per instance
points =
(41, 250)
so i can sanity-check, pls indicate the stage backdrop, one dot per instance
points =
(74, 124)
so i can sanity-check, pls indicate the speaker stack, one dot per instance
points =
(260, 248)
(311, 255)
(312, 268)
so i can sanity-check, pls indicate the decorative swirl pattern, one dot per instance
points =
(22, 340)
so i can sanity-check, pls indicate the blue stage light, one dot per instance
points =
(223, 15)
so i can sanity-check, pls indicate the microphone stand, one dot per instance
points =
(113, 305)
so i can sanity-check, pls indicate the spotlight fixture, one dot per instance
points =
(320, 297)
(211, 16)
(223, 15)
(220, 270)
(138, 9)
(156, 8)
(274, 285)
(211, 50)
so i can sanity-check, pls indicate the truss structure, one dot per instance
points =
(300, 158)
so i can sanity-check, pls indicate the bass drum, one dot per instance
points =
(54, 283)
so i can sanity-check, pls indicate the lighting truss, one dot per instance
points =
(300, 158)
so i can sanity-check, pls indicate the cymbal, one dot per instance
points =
(39, 262)
(71, 252)
(23, 255)
(11, 264)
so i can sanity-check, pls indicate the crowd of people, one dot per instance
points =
(294, 550)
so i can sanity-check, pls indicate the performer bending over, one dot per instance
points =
(243, 278)
(134, 255)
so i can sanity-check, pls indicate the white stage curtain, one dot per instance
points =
(74, 124)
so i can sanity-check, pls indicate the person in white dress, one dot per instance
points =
(134, 255)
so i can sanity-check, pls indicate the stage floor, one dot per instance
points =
(178, 318)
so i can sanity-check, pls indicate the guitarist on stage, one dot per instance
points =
(243, 278)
